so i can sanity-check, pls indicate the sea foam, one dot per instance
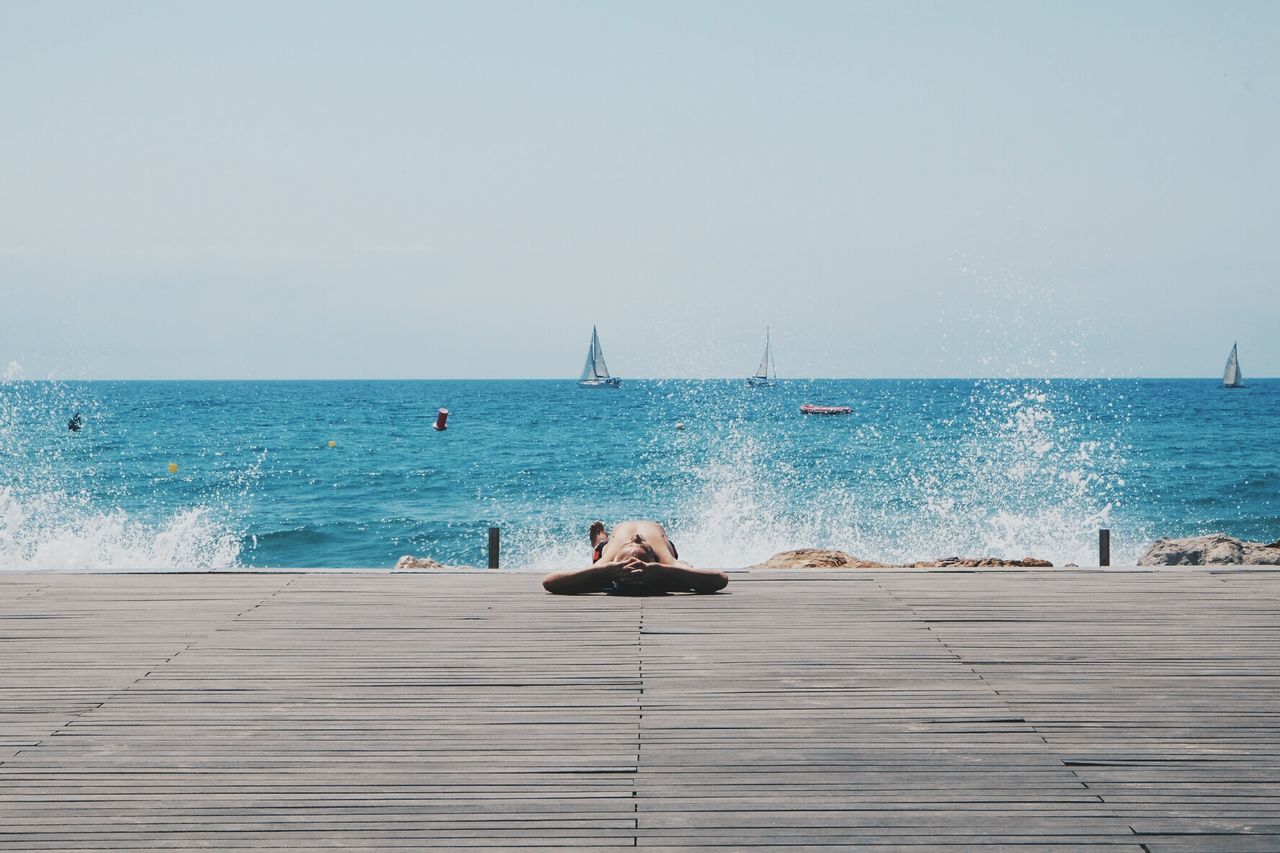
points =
(61, 508)
(1009, 469)
(58, 531)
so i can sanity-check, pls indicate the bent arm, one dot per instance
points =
(685, 576)
(672, 578)
(578, 581)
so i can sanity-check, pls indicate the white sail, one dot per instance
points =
(766, 373)
(601, 369)
(1232, 377)
(595, 372)
(762, 372)
(589, 369)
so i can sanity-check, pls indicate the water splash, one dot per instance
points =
(921, 470)
(51, 518)
(54, 530)
(1030, 477)
(1011, 469)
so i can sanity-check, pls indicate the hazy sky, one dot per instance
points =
(378, 189)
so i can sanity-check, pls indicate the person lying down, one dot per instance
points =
(637, 558)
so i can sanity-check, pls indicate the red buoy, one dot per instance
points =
(441, 417)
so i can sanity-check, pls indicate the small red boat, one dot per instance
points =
(826, 410)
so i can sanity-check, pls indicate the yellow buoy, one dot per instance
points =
(333, 443)
(173, 467)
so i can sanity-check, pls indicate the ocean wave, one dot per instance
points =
(1018, 471)
(59, 531)
(920, 470)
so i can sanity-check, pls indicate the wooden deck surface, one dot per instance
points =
(896, 709)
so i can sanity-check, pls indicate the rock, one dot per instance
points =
(1214, 549)
(408, 561)
(982, 563)
(816, 558)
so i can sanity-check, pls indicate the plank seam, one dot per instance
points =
(268, 597)
(1052, 750)
(32, 592)
(635, 780)
(121, 692)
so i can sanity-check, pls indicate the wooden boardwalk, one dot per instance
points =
(896, 709)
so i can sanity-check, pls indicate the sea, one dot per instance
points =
(229, 475)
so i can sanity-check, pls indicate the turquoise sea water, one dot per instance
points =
(921, 469)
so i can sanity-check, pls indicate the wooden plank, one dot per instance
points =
(902, 709)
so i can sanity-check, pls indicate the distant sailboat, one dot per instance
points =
(1232, 377)
(766, 374)
(595, 373)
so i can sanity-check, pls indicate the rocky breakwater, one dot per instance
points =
(1214, 549)
(408, 561)
(818, 558)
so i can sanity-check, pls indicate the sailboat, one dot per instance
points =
(766, 374)
(595, 373)
(1232, 377)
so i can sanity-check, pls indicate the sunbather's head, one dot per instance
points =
(639, 549)
(645, 541)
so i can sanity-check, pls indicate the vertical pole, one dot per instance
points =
(1104, 547)
(493, 547)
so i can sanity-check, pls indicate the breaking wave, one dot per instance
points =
(1006, 469)
(59, 531)
(62, 508)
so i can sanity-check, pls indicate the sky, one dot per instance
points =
(246, 190)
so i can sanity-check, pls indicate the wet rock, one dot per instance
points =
(1214, 549)
(408, 561)
(816, 558)
(982, 563)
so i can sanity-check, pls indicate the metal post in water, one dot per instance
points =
(493, 547)
(1104, 547)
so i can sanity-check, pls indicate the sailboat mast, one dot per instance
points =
(765, 373)
(589, 369)
(773, 370)
(601, 369)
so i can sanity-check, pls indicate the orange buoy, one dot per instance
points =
(441, 417)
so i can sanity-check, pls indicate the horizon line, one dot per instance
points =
(4, 381)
